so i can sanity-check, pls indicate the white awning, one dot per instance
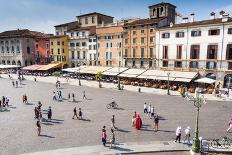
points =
(205, 80)
(132, 73)
(8, 66)
(94, 69)
(115, 71)
(73, 70)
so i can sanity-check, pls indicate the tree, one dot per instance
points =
(56, 74)
(99, 76)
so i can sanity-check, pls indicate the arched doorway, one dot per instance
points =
(211, 76)
(3, 62)
(19, 63)
(13, 62)
(8, 62)
(228, 81)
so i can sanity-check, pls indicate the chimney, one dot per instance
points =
(192, 17)
(221, 13)
(212, 15)
(185, 20)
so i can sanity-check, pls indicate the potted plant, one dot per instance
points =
(99, 76)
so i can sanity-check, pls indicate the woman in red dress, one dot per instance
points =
(138, 123)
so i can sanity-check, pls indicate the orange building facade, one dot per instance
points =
(42, 50)
(109, 44)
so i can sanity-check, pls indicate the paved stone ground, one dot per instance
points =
(18, 129)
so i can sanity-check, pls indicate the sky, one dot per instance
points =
(42, 15)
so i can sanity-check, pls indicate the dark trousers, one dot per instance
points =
(178, 138)
(104, 141)
(145, 110)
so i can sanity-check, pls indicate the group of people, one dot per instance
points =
(4, 103)
(104, 137)
(179, 133)
(80, 114)
(71, 97)
(57, 95)
(149, 110)
(57, 84)
(15, 83)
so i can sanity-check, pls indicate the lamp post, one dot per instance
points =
(198, 101)
(79, 76)
(119, 86)
(168, 83)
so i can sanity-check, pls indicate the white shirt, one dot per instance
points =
(145, 106)
(149, 108)
(187, 131)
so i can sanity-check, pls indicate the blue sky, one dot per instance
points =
(42, 15)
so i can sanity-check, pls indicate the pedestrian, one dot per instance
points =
(16, 83)
(75, 113)
(138, 122)
(13, 83)
(178, 134)
(145, 108)
(3, 100)
(149, 110)
(187, 134)
(35, 79)
(133, 121)
(73, 96)
(39, 105)
(38, 127)
(80, 114)
(156, 122)
(104, 136)
(112, 140)
(36, 113)
(7, 102)
(84, 96)
(49, 113)
(113, 122)
(25, 98)
(69, 97)
(54, 95)
(152, 111)
(230, 125)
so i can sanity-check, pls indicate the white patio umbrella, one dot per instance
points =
(205, 80)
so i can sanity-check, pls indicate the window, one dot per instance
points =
(111, 44)
(229, 30)
(58, 51)
(212, 51)
(165, 52)
(106, 55)
(194, 52)
(166, 35)
(94, 40)
(165, 63)
(110, 55)
(83, 44)
(134, 40)
(2, 49)
(73, 55)
(51, 43)
(93, 19)
(18, 50)
(214, 32)
(72, 34)
(178, 64)
(126, 32)
(62, 43)
(77, 33)
(151, 39)
(134, 52)
(179, 52)
(142, 40)
(47, 45)
(126, 52)
(90, 40)
(193, 64)
(151, 53)
(179, 34)
(196, 33)
(7, 49)
(52, 51)
(12, 48)
(141, 63)
(36, 46)
(229, 52)
(151, 30)
(142, 31)
(211, 65)
(134, 32)
(86, 20)
(62, 50)
(28, 50)
(142, 52)
(107, 44)
(94, 47)
(90, 47)
(84, 54)
(126, 41)
(78, 44)
(72, 44)
(119, 54)
(58, 43)
(150, 64)
(78, 54)
(98, 45)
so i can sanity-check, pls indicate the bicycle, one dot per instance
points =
(224, 143)
(112, 105)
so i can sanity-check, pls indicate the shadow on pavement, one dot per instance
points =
(122, 130)
(122, 149)
(47, 136)
(167, 131)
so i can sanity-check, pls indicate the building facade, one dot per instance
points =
(109, 44)
(17, 47)
(139, 37)
(59, 50)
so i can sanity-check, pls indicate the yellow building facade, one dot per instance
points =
(59, 50)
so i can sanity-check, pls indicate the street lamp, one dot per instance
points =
(198, 101)
(168, 83)
(79, 76)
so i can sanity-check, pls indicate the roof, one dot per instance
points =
(144, 21)
(197, 23)
(132, 73)
(94, 13)
(21, 33)
(68, 24)
(162, 4)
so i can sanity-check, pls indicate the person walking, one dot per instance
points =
(187, 134)
(230, 125)
(145, 108)
(49, 113)
(178, 134)
(69, 97)
(104, 136)
(152, 111)
(149, 110)
(156, 122)
(84, 96)
(112, 140)
(54, 95)
(7, 102)
(113, 122)
(16, 83)
(75, 113)
(80, 114)
(38, 127)
(13, 83)
(73, 96)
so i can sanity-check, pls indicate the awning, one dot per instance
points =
(205, 80)
(115, 71)
(132, 73)
(32, 67)
(94, 69)
(49, 66)
(8, 66)
(73, 70)
(173, 75)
